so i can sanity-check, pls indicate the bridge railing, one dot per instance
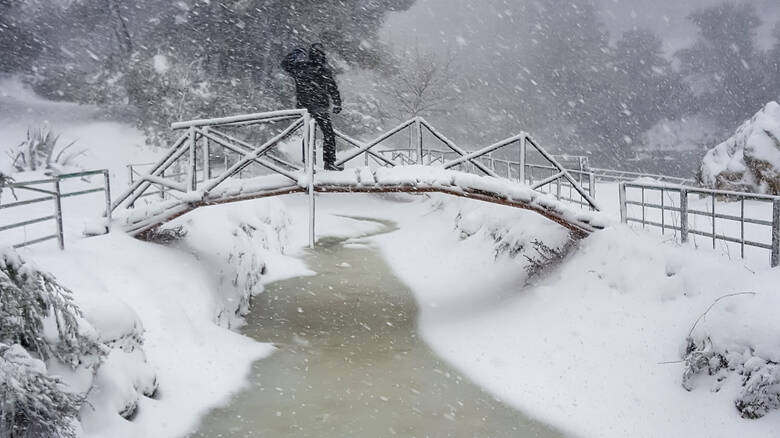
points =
(213, 150)
(196, 169)
(431, 147)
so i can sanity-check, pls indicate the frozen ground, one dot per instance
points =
(592, 346)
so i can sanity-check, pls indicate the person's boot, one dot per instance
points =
(333, 167)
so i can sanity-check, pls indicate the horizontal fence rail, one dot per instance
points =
(670, 208)
(51, 191)
(623, 175)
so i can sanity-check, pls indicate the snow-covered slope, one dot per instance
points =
(749, 160)
(597, 346)
(165, 312)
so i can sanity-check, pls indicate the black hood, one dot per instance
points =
(317, 53)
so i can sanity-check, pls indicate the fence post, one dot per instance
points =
(776, 233)
(107, 192)
(58, 214)
(683, 215)
(521, 175)
(623, 206)
(592, 185)
(419, 133)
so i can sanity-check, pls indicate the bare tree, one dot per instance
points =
(424, 85)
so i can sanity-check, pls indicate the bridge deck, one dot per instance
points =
(408, 179)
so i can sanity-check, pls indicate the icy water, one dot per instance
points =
(350, 363)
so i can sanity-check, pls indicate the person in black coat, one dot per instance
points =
(315, 90)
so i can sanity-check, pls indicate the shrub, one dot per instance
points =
(39, 322)
(32, 403)
(40, 151)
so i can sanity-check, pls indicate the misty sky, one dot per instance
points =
(441, 23)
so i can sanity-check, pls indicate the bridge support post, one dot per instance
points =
(521, 172)
(308, 135)
(419, 134)
(206, 159)
(192, 177)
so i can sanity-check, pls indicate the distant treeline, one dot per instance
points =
(550, 68)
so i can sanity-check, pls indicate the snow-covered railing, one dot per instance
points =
(509, 169)
(197, 170)
(442, 151)
(188, 169)
(50, 190)
(743, 220)
(623, 175)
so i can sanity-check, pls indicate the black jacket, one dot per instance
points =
(314, 83)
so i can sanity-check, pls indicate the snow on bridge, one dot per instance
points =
(186, 178)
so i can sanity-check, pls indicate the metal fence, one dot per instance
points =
(623, 175)
(51, 191)
(670, 208)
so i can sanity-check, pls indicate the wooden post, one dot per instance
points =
(683, 215)
(131, 179)
(623, 206)
(309, 134)
(206, 155)
(523, 147)
(192, 178)
(776, 233)
(592, 184)
(418, 131)
(107, 192)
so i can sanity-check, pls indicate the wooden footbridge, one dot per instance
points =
(244, 157)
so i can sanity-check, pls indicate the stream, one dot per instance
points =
(351, 364)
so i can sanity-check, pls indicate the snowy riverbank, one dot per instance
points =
(594, 346)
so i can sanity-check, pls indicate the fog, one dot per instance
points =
(612, 79)
(438, 23)
(616, 80)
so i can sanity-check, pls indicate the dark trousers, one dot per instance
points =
(322, 116)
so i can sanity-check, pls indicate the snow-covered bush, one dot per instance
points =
(40, 150)
(750, 159)
(38, 313)
(39, 322)
(5, 179)
(759, 378)
(234, 241)
(32, 403)
(164, 236)
(511, 237)
(736, 338)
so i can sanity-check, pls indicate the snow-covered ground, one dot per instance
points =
(592, 345)
(586, 347)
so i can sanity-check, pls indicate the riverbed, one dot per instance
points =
(350, 363)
